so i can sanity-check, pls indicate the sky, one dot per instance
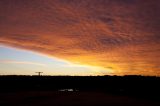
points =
(120, 37)
(21, 62)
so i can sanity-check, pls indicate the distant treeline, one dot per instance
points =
(145, 86)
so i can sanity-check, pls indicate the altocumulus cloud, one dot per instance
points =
(120, 34)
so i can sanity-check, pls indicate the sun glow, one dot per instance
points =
(21, 61)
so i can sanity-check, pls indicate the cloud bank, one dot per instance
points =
(122, 35)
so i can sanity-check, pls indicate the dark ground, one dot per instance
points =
(87, 91)
(53, 98)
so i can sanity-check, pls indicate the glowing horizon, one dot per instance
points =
(14, 64)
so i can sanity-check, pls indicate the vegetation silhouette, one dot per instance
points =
(139, 86)
(79, 90)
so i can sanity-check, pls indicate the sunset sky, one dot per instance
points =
(21, 62)
(80, 37)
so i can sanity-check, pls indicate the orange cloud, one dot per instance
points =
(122, 35)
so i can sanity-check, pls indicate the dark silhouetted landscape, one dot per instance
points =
(79, 90)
